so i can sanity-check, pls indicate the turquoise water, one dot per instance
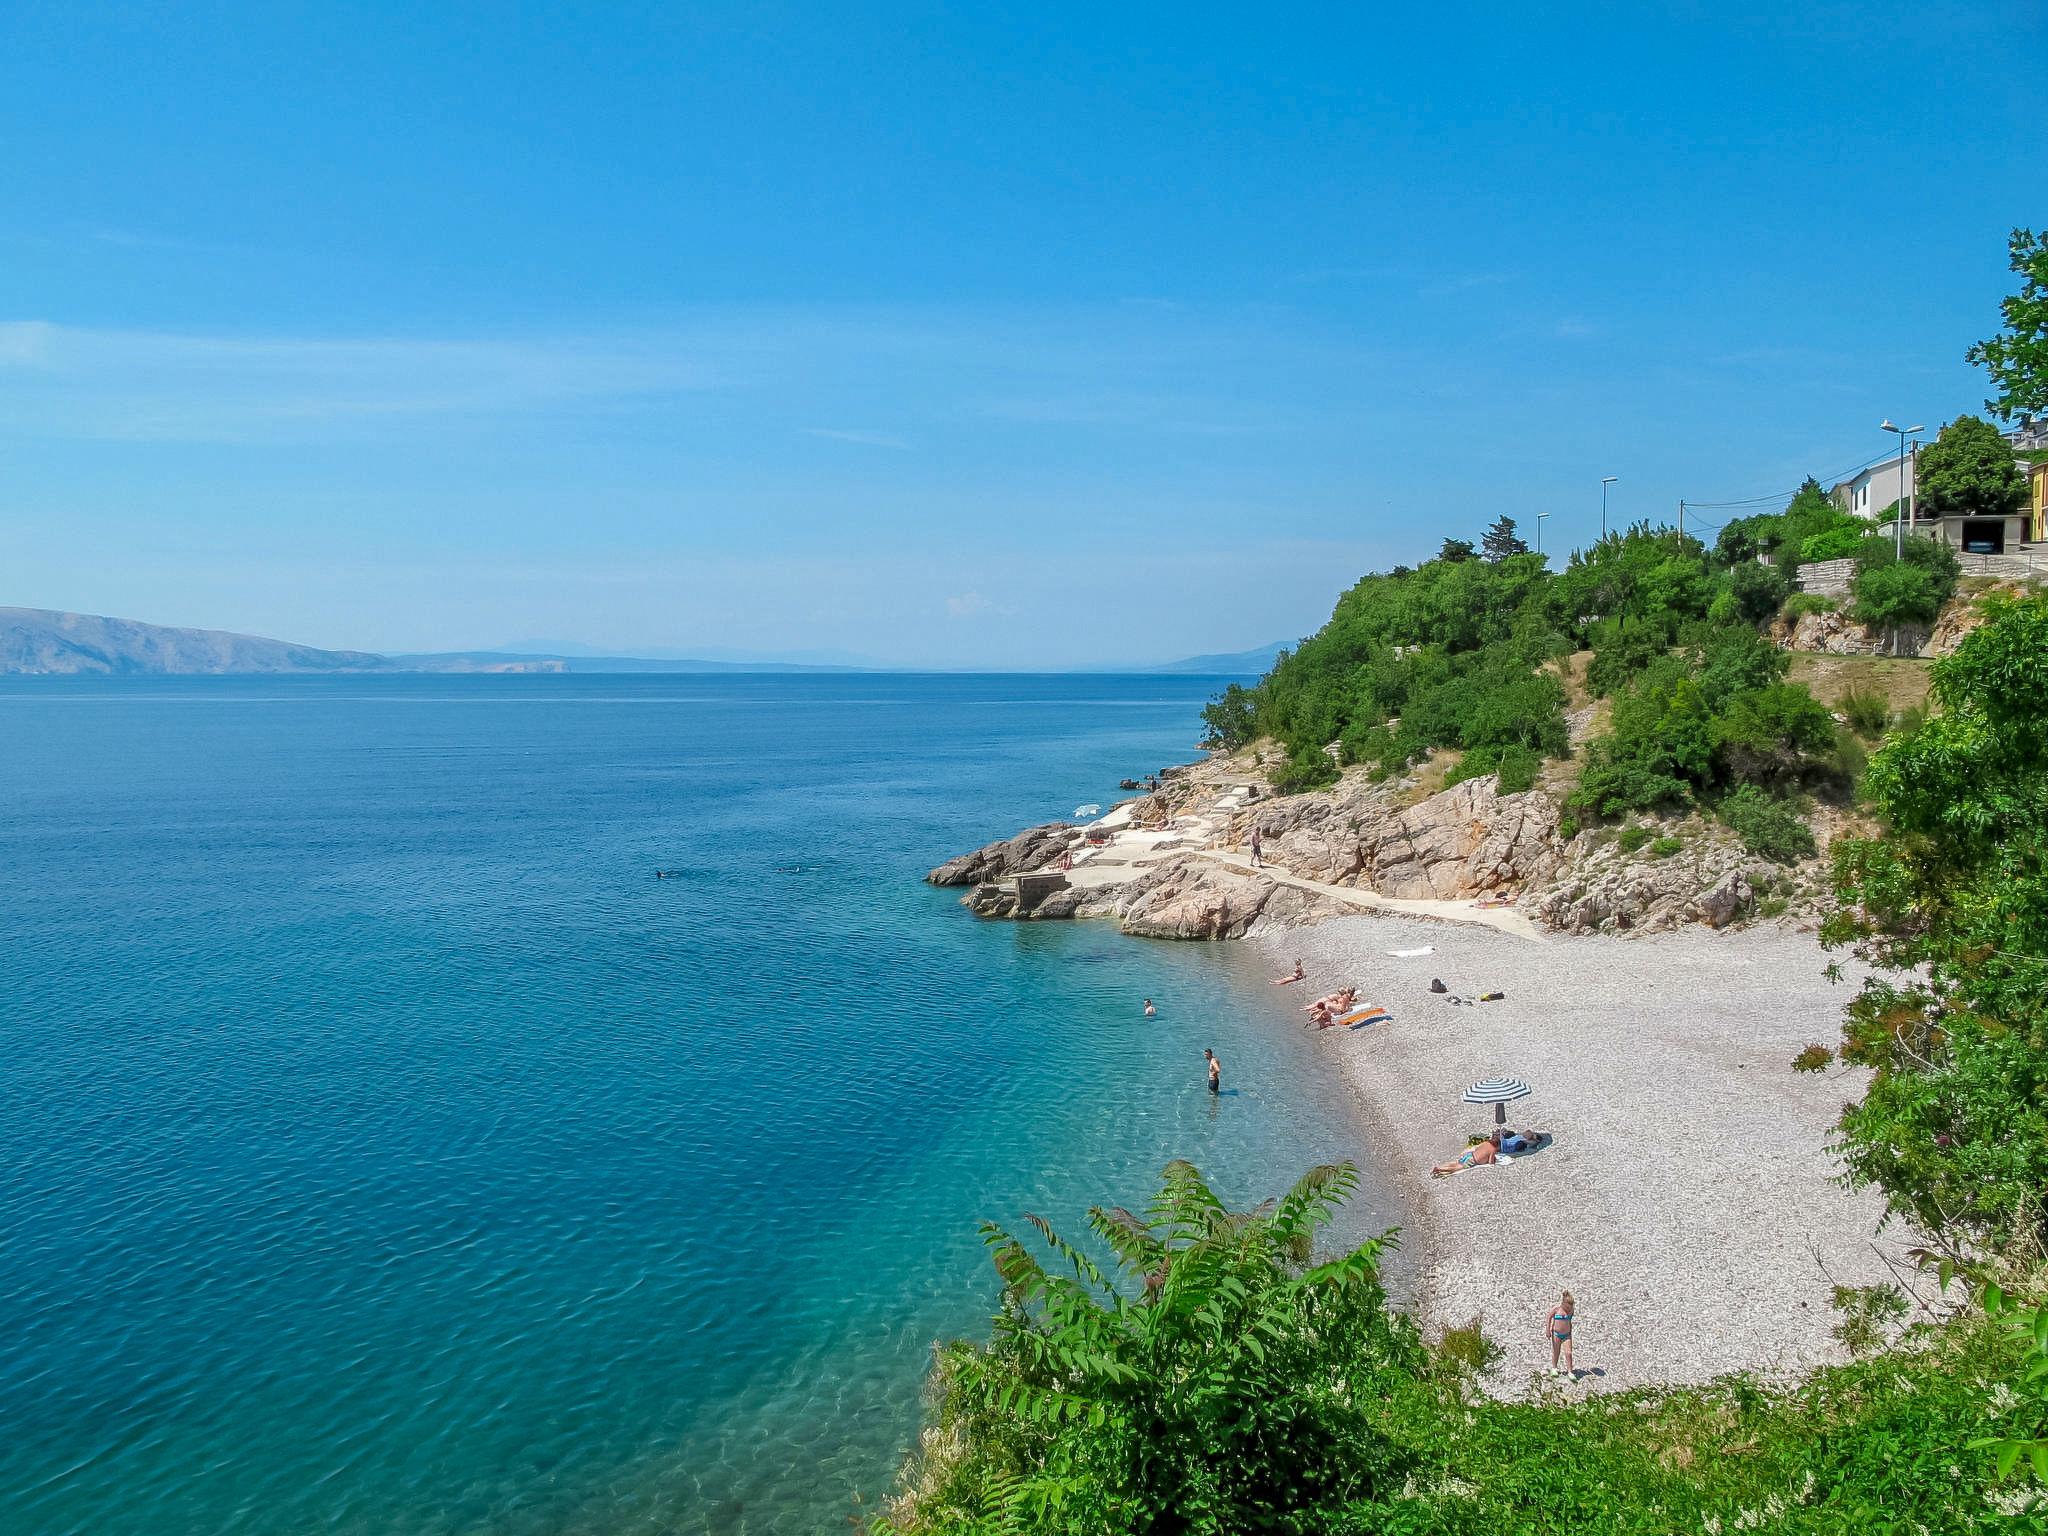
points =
(388, 1151)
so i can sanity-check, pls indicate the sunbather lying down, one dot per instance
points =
(1502, 1145)
(1337, 1001)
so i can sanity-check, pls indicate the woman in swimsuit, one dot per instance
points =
(1477, 1155)
(1289, 980)
(1558, 1329)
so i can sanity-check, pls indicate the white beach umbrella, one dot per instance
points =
(1497, 1091)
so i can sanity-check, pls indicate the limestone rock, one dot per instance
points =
(1834, 634)
(1028, 850)
(1196, 898)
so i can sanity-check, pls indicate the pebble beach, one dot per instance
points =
(1686, 1198)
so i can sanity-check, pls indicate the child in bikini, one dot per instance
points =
(1558, 1329)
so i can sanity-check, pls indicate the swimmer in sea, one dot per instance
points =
(1149, 1009)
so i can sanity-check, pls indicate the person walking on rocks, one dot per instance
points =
(1558, 1329)
(1215, 1071)
(1256, 864)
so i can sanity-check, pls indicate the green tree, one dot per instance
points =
(1232, 716)
(1759, 590)
(2017, 358)
(1969, 471)
(1216, 1380)
(1501, 540)
(1457, 551)
(1951, 906)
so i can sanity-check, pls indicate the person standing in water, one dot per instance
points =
(1558, 1329)
(1149, 1009)
(1215, 1071)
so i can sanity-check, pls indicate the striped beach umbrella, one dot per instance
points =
(1497, 1091)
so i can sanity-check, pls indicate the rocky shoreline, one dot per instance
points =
(1174, 863)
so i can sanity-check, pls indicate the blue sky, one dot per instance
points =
(1002, 335)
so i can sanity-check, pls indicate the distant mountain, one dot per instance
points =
(40, 640)
(1229, 663)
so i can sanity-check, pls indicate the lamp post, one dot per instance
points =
(1541, 518)
(1899, 520)
(1605, 482)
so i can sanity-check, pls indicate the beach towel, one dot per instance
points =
(1410, 954)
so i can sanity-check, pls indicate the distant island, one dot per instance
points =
(44, 642)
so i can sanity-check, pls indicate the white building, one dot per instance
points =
(1869, 491)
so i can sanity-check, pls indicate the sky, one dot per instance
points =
(1006, 335)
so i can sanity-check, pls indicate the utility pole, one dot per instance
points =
(1681, 520)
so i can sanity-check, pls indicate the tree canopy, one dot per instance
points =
(1969, 471)
(2017, 358)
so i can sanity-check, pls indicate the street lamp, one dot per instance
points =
(1899, 519)
(1606, 482)
(1541, 518)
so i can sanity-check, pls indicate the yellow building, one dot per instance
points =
(2037, 515)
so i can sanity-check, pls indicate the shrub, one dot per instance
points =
(1215, 1369)
(1567, 827)
(1836, 543)
(1622, 657)
(1813, 1059)
(1631, 838)
(1772, 906)
(1759, 590)
(1232, 717)
(1800, 604)
(1867, 713)
(1307, 767)
(1664, 847)
(1515, 767)
(1469, 1349)
(1772, 734)
(1898, 593)
(1770, 826)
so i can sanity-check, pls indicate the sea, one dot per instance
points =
(389, 1149)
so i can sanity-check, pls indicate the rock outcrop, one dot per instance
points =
(1189, 897)
(1834, 634)
(1601, 888)
(1461, 842)
(1031, 849)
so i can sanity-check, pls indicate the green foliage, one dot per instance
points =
(1467, 1348)
(1630, 838)
(1968, 471)
(1307, 767)
(1800, 604)
(1514, 766)
(2017, 358)
(1214, 1379)
(1758, 590)
(1567, 827)
(1665, 847)
(1867, 713)
(1866, 1315)
(1836, 543)
(1770, 826)
(1232, 717)
(1950, 906)
(2022, 1438)
(1457, 551)
(1903, 582)
(1814, 1058)
(1771, 734)
(1217, 1380)
(1621, 655)
(1501, 540)
(1896, 592)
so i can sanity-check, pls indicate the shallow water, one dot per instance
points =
(388, 1151)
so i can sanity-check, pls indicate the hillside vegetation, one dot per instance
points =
(1466, 652)
(1197, 1370)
